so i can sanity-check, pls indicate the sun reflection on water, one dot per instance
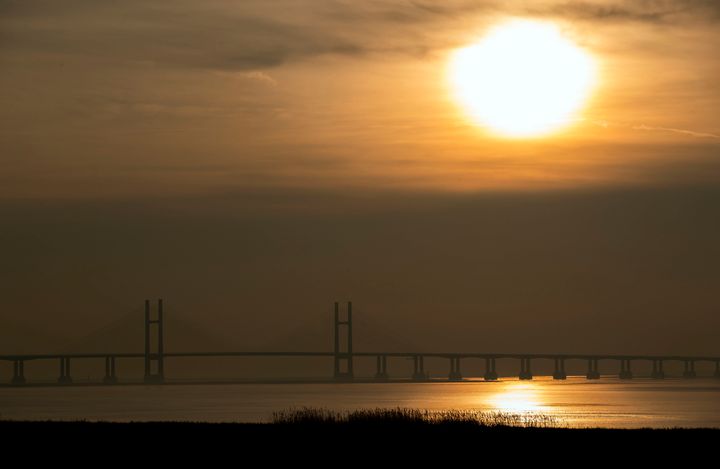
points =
(517, 397)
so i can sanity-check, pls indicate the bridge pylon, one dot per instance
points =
(593, 372)
(625, 372)
(343, 359)
(18, 372)
(64, 377)
(525, 372)
(559, 369)
(657, 371)
(154, 361)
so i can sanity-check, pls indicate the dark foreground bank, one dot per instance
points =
(365, 443)
(369, 435)
(303, 422)
(294, 435)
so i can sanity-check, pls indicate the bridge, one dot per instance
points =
(344, 357)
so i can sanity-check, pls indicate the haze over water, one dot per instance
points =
(575, 402)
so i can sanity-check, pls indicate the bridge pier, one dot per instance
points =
(64, 377)
(18, 372)
(593, 372)
(525, 372)
(347, 356)
(490, 373)
(689, 372)
(657, 372)
(419, 369)
(110, 377)
(159, 357)
(559, 369)
(381, 373)
(625, 372)
(455, 374)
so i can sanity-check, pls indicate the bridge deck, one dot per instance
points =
(447, 355)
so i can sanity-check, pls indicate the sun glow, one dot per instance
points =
(523, 79)
(520, 398)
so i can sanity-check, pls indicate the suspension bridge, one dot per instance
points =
(343, 357)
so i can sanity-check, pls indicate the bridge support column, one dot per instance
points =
(657, 372)
(593, 372)
(490, 373)
(345, 357)
(689, 372)
(381, 374)
(110, 377)
(157, 358)
(559, 369)
(717, 369)
(455, 374)
(18, 372)
(419, 369)
(64, 377)
(525, 372)
(625, 372)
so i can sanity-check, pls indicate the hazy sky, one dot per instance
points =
(256, 160)
(111, 99)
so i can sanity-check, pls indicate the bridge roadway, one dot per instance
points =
(381, 375)
(448, 355)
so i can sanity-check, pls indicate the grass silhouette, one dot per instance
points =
(410, 416)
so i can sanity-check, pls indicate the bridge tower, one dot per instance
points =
(593, 372)
(455, 374)
(65, 377)
(625, 372)
(490, 371)
(559, 369)
(689, 369)
(658, 372)
(382, 374)
(525, 372)
(154, 362)
(18, 372)
(343, 373)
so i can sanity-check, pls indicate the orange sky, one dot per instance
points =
(253, 161)
(116, 100)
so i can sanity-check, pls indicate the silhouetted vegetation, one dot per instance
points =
(409, 416)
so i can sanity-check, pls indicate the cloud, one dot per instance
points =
(222, 35)
(259, 76)
(427, 11)
(607, 124)
(210, 35)
(691, 133)
(647, 11)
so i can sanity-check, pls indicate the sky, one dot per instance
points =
(252, 162)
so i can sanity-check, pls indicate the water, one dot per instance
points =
(575, 402)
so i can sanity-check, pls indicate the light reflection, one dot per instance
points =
(517, 397)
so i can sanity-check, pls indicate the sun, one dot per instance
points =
(522, 79)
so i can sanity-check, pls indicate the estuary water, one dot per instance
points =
(575, 402)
